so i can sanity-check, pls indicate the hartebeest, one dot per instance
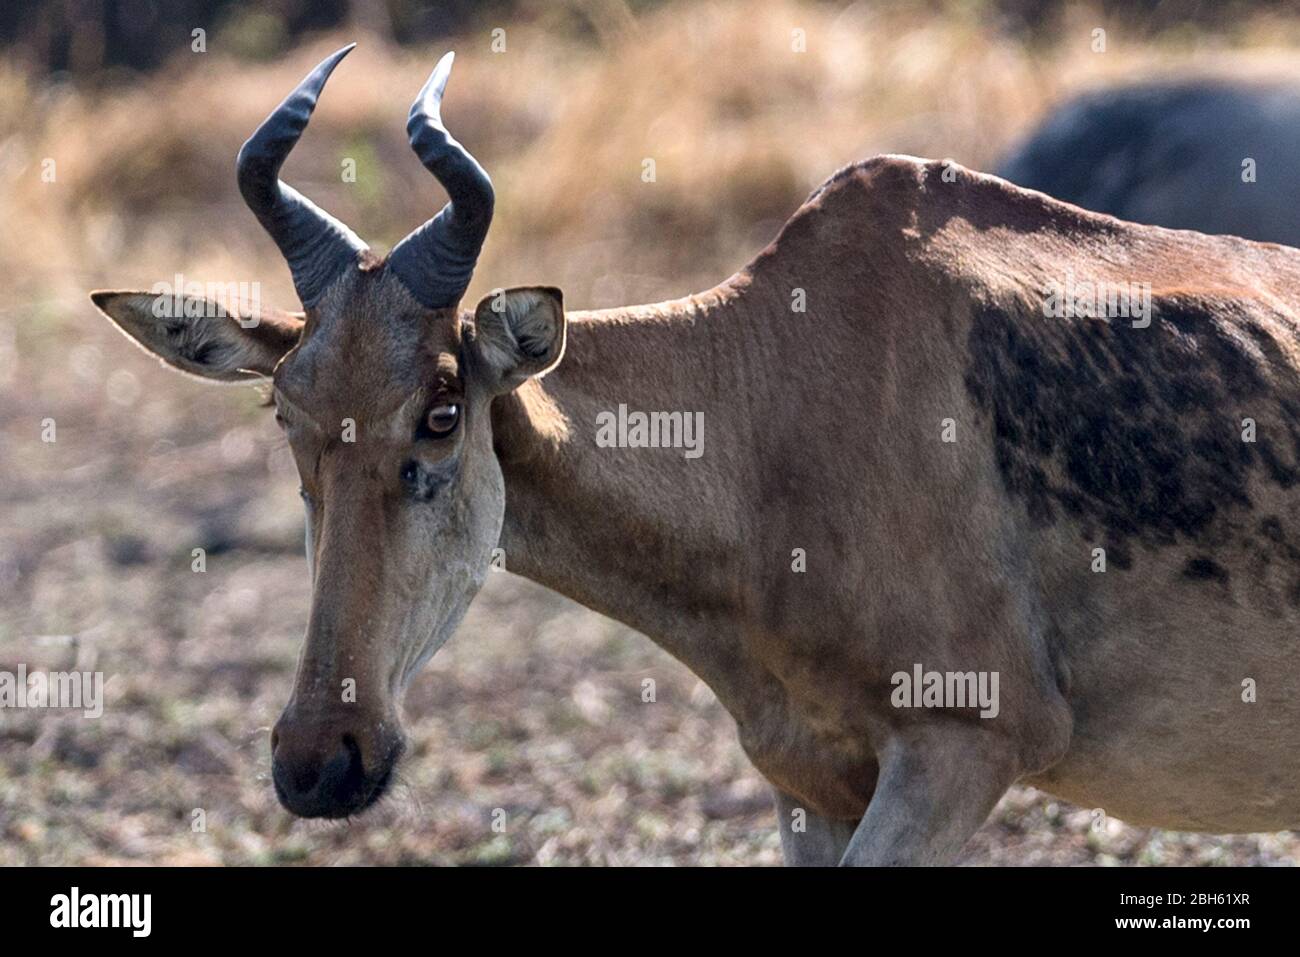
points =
(1212, 155)
(920, 475)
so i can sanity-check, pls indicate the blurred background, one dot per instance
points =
(117, 143)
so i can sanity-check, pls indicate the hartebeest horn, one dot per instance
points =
(317, 246)
(437, 260)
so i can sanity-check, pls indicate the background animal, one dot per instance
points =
(1213, 155)
(539, 713)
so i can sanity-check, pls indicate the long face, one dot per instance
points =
(383, 391)
(404, 501)
(385, 405)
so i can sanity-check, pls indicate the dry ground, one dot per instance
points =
(535, 708)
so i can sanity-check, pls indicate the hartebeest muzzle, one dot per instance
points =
(330, 764)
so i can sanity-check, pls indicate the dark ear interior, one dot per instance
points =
(519, 333)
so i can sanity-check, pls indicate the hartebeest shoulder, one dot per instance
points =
(1173, 419)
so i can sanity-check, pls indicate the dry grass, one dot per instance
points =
(535, 707)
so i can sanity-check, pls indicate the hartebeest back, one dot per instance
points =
(1012, 496)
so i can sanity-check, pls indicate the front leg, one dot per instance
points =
(937, 785)
(807, 838)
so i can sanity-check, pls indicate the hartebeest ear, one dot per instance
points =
(200, 336)
(519, 334)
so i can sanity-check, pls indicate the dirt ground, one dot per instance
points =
(533, 714)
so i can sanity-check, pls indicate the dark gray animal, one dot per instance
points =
(1175, 154)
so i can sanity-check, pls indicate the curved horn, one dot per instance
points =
(436, 261)
(317, 246)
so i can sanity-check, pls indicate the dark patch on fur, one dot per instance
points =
(1202, 568)
(424, 481)
(1274, 544)
(1270, 527)
(1119, 557)
(1133, 433)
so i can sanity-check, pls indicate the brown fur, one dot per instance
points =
(824, 434)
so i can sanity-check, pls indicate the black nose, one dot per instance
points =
(325, 775)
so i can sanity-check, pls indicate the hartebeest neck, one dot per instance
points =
(646, 535)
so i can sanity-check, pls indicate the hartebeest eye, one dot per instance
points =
(441, 420)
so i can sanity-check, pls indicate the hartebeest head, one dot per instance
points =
(383, 389)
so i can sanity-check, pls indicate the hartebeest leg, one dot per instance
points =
(936, 787)
(807, 838)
